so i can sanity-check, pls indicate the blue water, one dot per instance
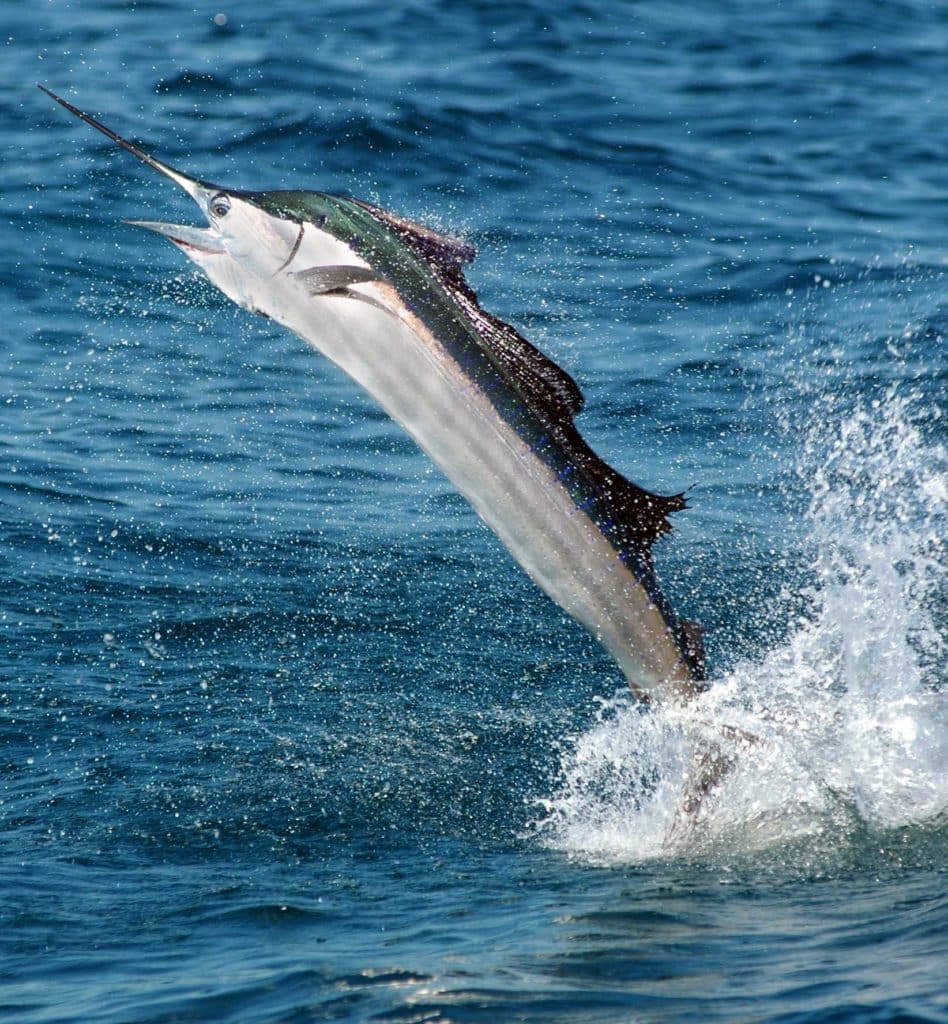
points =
(285, 735)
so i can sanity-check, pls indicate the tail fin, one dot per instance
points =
(711, 762)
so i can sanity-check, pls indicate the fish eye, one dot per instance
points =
(219, 205)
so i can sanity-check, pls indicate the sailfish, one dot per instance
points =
(386, 299)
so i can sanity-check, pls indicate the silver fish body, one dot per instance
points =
(386, 300)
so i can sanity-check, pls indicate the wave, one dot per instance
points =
(851, 709)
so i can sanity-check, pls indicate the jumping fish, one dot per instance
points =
(387, 301)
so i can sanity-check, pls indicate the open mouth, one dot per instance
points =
(203, 240)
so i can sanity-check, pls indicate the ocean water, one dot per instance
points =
(285, 735)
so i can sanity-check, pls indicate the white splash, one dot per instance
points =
(851, 710)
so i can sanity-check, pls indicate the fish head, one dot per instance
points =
(250, 237)
(241, 248)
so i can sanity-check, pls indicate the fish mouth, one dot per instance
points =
(201, 240)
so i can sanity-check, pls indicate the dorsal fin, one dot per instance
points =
(432, 244)
(546, 387)
(633, 516)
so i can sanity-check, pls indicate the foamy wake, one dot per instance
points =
(851, 711)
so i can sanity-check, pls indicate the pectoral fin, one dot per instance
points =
(334, 278)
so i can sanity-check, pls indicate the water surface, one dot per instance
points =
(285, 735)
